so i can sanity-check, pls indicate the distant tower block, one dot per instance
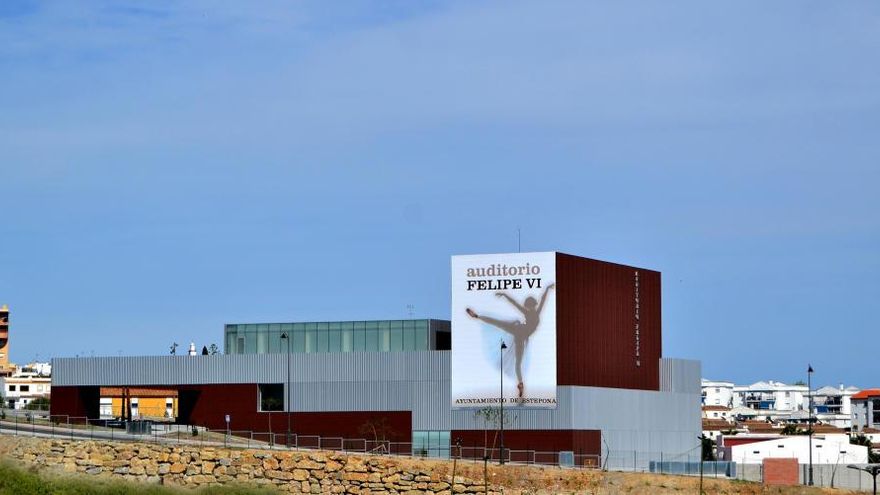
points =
(4, 340)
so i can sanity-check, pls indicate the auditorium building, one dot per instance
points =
(576, 349)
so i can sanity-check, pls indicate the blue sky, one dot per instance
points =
(167, 167)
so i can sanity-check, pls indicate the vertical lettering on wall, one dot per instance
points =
(638, 343)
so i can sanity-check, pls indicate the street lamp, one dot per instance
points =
(872, 469)
(285, 336)
(810, 418)
(501, 458)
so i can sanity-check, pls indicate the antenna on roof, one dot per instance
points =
(518, 240)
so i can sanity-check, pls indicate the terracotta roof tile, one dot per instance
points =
(864, 394)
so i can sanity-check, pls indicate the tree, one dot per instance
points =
(2, 406)
(708, 448)
(378, 429)
(863, 440)
(791, 429)
(38, 404)
(213, 349)
(492, 420)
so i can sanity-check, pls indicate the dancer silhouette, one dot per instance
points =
(521, 330)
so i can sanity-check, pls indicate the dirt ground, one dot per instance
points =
(522, 480)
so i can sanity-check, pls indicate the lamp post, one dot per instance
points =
(810, 419)
(872, 469)
(501, 457)
(702, 446)
(286, 337)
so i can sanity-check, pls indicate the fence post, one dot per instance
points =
(634, 461)
(661, 462)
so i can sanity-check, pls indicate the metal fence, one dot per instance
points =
(825, 475)
(41, 424)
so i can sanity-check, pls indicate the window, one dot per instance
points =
(271, 397)
(347, 331)
(299, 341)
(12, 388)
(396, 336)
(384, 336)
(334, 338)
(25, 388)
(372, 335)
(431, 444)
(322, 336)
(359, 342)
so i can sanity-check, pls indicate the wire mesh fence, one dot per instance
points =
(41, 424)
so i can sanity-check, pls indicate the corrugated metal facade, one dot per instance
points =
(680, 375)
(607, 324)
(419, 382)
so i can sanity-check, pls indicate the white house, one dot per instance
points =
(827, 449)
(25, 385)
(717, 393)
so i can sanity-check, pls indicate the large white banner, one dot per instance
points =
(509, 299)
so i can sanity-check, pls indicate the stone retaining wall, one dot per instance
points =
(296, 472)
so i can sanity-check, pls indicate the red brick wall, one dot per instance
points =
(780, 471)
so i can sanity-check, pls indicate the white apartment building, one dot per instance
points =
(866, 410)
(717, 393)
(833, 405)
(770, 396)
(26, 384)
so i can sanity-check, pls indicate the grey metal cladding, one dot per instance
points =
(680, 375)
(250, 368)
(417, 382)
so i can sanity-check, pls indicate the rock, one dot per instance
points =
(279, 475)
(309, 464)
(177, 468)
(94, 470)
(355, 476)
(300, 474)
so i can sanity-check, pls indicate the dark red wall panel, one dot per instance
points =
(581, 442)
(595, 321)
(395, 426)
(208, 405)
(74, 402)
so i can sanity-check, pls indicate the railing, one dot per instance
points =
(41, 424)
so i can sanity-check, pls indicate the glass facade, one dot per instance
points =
(338, 336)
(430, 444)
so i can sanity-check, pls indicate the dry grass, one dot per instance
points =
(522, 480)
